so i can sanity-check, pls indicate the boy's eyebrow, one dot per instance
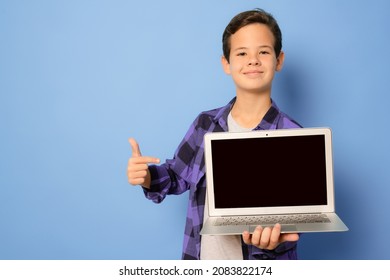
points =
(240, 48)
(245, 48)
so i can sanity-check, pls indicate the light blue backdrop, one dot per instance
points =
(77, 78)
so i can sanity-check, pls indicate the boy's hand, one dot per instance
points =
(137, 168)
(268, 238)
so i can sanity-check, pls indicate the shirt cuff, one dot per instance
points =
(283, 251)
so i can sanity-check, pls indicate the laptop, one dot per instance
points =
(269, 176)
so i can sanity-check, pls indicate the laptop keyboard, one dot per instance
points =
(272, 219)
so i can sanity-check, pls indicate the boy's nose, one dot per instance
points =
(254, 61)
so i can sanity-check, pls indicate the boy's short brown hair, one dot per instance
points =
(250, 17)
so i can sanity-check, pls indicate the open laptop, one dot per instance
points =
(268, 176)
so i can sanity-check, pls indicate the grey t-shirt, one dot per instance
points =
(222, 247)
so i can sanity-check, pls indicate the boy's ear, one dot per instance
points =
(280, 61)
(225, 65)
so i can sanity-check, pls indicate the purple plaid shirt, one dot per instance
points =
(186, 172)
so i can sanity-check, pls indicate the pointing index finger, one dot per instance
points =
(144, 160)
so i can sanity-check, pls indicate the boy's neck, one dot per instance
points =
(249, 109)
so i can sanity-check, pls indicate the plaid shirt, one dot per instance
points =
(186, 172)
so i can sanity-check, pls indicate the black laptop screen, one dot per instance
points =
(269, 172)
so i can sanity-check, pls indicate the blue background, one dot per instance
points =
(78, 78)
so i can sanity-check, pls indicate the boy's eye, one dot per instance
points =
(241, 54)
(264, 52)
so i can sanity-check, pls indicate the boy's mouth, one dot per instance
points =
(253, 73)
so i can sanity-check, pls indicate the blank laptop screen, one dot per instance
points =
(267, 172)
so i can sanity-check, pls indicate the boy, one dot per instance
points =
(252, 44)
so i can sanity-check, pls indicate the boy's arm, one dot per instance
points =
(157, 181)
(175, 175)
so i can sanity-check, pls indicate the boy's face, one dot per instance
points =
(253, 61)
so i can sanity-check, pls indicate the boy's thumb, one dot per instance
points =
(135, 148)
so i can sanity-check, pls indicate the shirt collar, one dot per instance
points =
(268, 122)
(222, 115)
(270, 119)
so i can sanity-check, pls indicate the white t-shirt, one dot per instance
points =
(222, 247)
